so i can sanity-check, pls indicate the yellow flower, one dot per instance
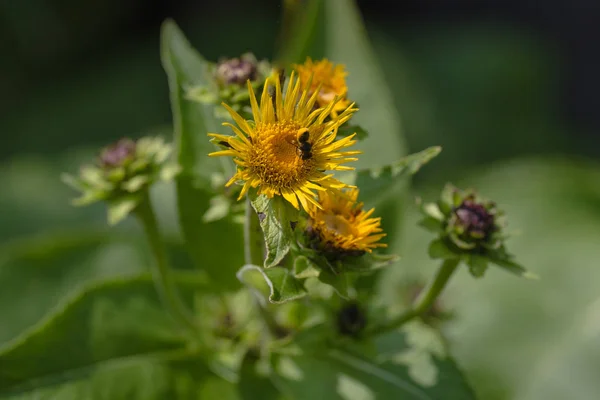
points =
(341, 226)
(327, 79)
(288, 147)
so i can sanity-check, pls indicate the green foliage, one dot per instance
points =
(186, 68)
(276, 218)
(282, 284)
(114, 335)
(106, 321)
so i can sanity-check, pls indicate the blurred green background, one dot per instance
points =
(507, 88)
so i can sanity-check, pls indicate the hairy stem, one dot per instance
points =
(161, 272)
(426, 298)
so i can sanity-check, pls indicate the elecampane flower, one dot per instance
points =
(288, 146)
(341, 225)
(327, 80)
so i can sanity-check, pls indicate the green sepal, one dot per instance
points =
(505, 261)
(276, 219)
(202, 94)
(135, 183)
(120, 208)
(369, 262)
(304, 268)
(438, 249)
(477, 264)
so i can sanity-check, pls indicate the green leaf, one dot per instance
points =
(337, 373)
(341, 282)
(157, 377)
(276, 217)
(513, 267)
(439, 250)
(208, 244)
(283, 286)
(347, 130)
(374, 181)
(106, 321)
(36, 273)
(304, 268)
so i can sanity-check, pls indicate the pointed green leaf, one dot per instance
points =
(276, 218)
(119, 209)
(208, 244)
(438, 249)
(374, 181)
(513, 267)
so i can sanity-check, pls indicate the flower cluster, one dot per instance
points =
(290, 148)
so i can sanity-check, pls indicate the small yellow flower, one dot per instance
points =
(288, 146)
(326, 78)
(341, 225)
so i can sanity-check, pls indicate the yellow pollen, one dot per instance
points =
(275, 157)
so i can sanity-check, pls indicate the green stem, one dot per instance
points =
(426, 299)
(254, 254)
(163, 278)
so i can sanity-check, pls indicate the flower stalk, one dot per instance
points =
(161, 272)
(425, 301)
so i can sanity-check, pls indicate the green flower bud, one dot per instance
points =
(123, 173)
(470, 228)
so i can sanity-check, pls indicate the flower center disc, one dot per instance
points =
(276, 158)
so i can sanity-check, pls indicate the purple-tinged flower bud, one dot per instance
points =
(236, 70)
(474, 219)
(117, 153)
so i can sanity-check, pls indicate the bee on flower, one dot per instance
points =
(289, 145)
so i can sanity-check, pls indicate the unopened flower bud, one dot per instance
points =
(126, 169)
(237, 70)
(469, 228)
(474, 220)
(351, 320)
(116, 154)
